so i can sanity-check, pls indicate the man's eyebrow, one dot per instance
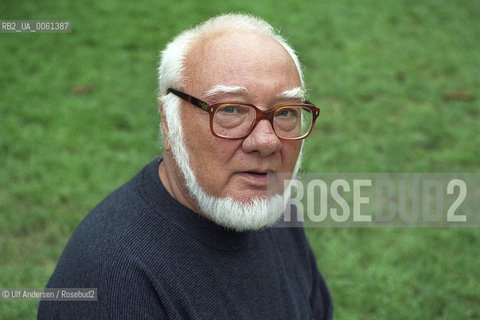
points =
(223, 90)
(295, 93)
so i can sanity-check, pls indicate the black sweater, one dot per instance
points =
(152, 258)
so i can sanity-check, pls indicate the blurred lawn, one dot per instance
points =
(398, 83)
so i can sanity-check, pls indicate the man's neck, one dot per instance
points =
(166, 172)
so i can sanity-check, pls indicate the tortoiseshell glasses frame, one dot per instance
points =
(307, 122)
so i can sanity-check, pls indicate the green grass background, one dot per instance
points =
(398, 83)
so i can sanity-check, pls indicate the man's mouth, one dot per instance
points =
(256, 178)
(256, 173)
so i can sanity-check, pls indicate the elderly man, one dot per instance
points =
(191, 236)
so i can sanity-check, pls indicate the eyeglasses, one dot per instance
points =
(232, 120)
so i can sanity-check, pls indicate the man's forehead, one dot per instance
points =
(222, 90)
(238, 64)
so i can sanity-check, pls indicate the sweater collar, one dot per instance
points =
(188, 221)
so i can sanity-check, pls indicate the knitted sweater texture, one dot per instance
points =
(150, 257)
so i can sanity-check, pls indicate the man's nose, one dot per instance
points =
(262, 139)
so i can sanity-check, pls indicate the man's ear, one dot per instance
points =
(166, 141)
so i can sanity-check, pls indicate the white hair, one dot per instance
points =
(225, 211)
(172, 61)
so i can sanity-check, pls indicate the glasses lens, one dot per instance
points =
(233, 120)
(291, 122)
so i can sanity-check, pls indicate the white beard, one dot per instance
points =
(228, 212)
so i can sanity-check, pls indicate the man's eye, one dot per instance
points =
(233, 109)
(287, 112)
(230, 109)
